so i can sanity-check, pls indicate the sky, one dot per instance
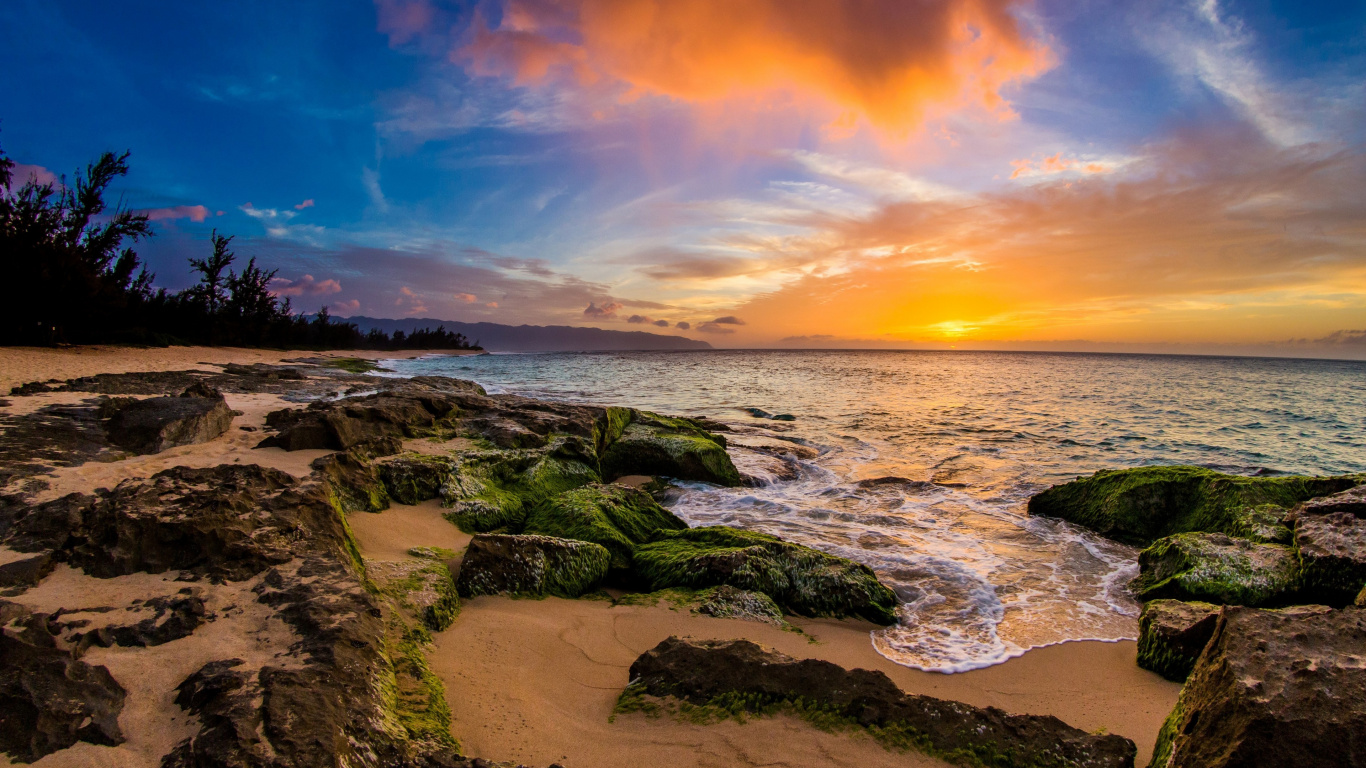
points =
(1166, 176)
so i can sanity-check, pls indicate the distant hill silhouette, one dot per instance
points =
(496, 337)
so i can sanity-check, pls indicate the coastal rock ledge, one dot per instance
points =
(738, 675)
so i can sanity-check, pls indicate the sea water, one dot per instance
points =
(976, 433)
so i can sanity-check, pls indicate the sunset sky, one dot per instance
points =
(1062, 174)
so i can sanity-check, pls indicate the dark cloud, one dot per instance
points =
(714, 327)
(662, 323)
(811, 337)
(1340, 339)
(607, 311)
(639, 319)
(729, 320)
(683, 325)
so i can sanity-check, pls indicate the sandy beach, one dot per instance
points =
(536, 680)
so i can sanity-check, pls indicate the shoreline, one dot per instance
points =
(535, 680)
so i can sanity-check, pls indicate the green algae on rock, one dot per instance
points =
(1138, 506)
(615, 516)
(1216, 568)
(805, 581)
(535, 566)
(1332, 551)
(660, 445)
(727, 602)
(1171, 635)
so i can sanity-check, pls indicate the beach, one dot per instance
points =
(531, 680)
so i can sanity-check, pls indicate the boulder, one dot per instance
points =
(18, 575)
(805, 581)
(1273, 688)
(423, 586)
(48, 699)
(1332, 549)
(1139, 506)
(353, 483)
(732, 672)
(615, 516)
(199, 415)
(1215, 568)
(659, 445)
(1171, 635)
(726, 602)
(531, 565)
(1352, 501)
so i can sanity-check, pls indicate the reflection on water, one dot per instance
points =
(975, 434)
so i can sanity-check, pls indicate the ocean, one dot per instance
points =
(975, 434)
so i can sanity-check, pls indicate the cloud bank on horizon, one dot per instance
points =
(1178, 175)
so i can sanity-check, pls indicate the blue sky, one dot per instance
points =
(1174, 175)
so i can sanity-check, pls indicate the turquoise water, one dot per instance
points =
(980, 432)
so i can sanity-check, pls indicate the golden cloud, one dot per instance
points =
(888, 62)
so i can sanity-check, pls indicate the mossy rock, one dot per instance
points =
(805, 581)
(1332, 557)
(1171, 635)
(353, 482)
(660, 445)
(1215, 568)
(615, 516)
(422, 586)
(413, 478)
(496, 490)
(534, 566)
(727, 602)
(1139, 506)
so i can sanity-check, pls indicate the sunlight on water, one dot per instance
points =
(973, 436)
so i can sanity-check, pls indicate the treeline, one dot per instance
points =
(69, 274)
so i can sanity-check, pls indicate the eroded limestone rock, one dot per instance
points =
(1215, 568)
(531, 565)
(1171, 635)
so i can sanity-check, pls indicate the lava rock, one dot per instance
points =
(615, 516)
(1332, 550)
(803, 580)
(199, 415)
(702, 671)
(531, 565)
(27, 572)
(48, 699)
(1352, 501)
(176, 616)
(1171, 635)
(659, 445)
(1273, 688)
(1215, 568)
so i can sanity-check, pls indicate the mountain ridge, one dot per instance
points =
(499, 337)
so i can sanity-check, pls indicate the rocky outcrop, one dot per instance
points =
(1332, 551)
(739, 672)
(531, 565)
(198, 415)
(423, 586)
(659, 445)
(1139, 506)
(615, 516)
(1215, 568)
(804, 581)
(1273, 688)
(727, 602)
(1171, 635)
(1351, 501)
(173, 617)
(50, 700)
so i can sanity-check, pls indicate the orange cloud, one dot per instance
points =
(304, 286)
(887, 61)
(1057, 164)
(194, 213)
(468, 298)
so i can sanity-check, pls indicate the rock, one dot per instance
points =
(726, 602)
(1171, 635)
(26, 572)
(759, 469)
(760, 413)
(531, 565)
(493, 490)
(1139, 506)
(1352, 501)
(176, 616)
(658, 445)
(1332, 549)
(231, 521)
(802, 580)
(48, 699)
(729, 671)
(1273, 688)
(1215, 568)
(353, 483)
(615, 516)
(423, 586)
(199, 415)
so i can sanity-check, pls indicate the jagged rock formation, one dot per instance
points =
(1332, 550)
(1216, 568)
(49, 699)
(1139, 506)
(802, 580)
(739, 673)
(1273, 688)
(198, 415)
(531, 565)
(174, 617)
(1171, 635)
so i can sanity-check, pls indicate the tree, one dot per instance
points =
(211, 289)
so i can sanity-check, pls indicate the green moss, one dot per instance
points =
(533, 566)
(802, 580)
(1139, 506)
(617, 517)
(610, 428)
(660, 445)
(354, 364)
(420, 698)
(354, 483)
(1217, 569)
(676, 598)
(413, 478)
(497, 489)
